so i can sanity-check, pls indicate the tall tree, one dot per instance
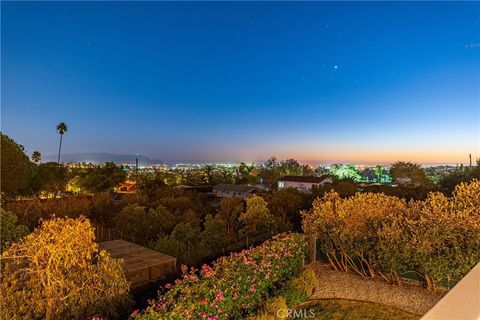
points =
(408, 173)
(286, 204)
(51, 177)
(213, 235)
(16, 168)
(230, 210)
(103, 178)
(243, 173)
(270, 172)
(61, 129)
(256, 214)
(291, 167)
(36, 156)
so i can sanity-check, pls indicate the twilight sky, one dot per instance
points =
(316, 81)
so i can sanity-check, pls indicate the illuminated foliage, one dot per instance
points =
(255, 215)
(345, 171)
(58, 272)
(379, 235)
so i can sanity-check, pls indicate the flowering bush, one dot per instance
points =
(234, 286)
(380, 235)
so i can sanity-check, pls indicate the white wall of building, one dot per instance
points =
(302, 186)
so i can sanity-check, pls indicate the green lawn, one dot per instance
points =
(335, 309)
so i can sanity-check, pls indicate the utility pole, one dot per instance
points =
(136, 174)
(470, 157)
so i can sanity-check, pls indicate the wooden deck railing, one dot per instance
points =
(103, 233)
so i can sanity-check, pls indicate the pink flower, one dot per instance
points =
(219, 296)
(207, 271)
(134, 313)
(184, 268)
(168, 286)
(202, 314)
(252, 288)
(235, 295)
(204, 301)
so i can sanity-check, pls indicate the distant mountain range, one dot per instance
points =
(102, 158)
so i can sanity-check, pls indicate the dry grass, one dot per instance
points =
(336, 309)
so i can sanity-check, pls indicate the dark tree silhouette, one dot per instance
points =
(61, 129)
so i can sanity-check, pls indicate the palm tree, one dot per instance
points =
(378, 172)
(61, 129)
(36, 156)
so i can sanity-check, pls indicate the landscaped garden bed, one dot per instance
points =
(235, 285)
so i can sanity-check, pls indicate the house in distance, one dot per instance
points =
(303, 183)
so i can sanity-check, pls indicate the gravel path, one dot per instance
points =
(344, 285)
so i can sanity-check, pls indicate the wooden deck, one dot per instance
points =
(142, 265)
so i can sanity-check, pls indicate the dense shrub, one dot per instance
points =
(235, 286)
(293, 293)
(273, 305)
(305, 282)
(142, 225)
(183, 244)
(299, 288)
(11, 231)
(31, 212)
(103, 209)
(58, 272)
(375, 234)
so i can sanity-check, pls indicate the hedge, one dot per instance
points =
(379, 235)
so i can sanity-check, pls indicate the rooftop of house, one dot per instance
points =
(233, 188)
(304, 179)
